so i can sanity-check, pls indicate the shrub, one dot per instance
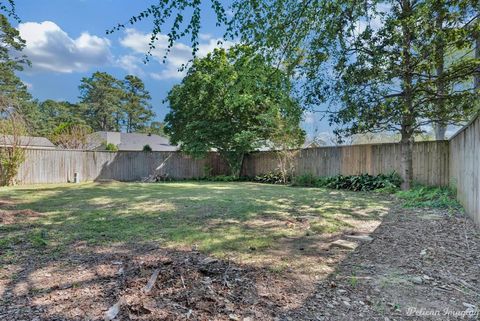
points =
(272, 178)
(426, 196)
(12, 129)
(147, 148)
(111, 147)
(10, 160)
(307, 180)
(364, 182)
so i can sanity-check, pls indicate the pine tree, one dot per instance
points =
(136, 106)
(101, 98)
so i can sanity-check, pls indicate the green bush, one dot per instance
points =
(270, 178)
(147, 148)
(10, 160)
(111, 147)
(365, 182)
(430, 197)
(307, 180)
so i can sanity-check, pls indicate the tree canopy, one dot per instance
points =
(230, 101)
(101, 101)
(136, 104)
(380, 65)
(110, 104)
(11, 61)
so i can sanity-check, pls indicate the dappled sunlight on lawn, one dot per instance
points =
(84, 238)
(269, 225)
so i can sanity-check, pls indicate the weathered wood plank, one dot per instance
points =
(464, 168)
(58, 166)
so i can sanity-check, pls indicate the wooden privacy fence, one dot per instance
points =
(430, 161)
(58, 166)
(455, 162)
(465, 167)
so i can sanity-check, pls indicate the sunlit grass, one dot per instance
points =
(240, 220)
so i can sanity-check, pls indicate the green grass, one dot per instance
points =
(430, 197)
(235, 219)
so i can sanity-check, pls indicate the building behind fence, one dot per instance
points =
(438, 163)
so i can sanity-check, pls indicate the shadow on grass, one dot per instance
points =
(243, 221)
(161, 212)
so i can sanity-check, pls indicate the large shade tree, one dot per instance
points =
(383, 65)
(387, 79)
(230, 101)
(395, 66)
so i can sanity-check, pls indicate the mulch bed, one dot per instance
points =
(419, 262)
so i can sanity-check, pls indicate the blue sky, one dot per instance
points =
(66, 40)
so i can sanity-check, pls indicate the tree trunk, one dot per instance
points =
(406, 167)
(439, 130)
(234, 161)
(440, 126)
(408, 116)
(476, 78)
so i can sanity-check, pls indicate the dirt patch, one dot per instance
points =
(420, 265)
(416, 261)
(5, 203)
(8, 217)
(189, 286)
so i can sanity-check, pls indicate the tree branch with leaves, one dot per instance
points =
(229, 101)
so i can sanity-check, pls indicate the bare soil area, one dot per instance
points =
(417, 265)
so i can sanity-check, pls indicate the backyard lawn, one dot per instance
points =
(226, 251)
(245, 222)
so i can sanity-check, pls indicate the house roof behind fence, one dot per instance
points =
(136, 141)
(25, 141)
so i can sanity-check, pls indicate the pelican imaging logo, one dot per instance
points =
(470, 313)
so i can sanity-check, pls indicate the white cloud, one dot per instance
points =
(204, 36)
(179, 55)
(28, 85)
(168, 73)
(132, 64)
(50, 48)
